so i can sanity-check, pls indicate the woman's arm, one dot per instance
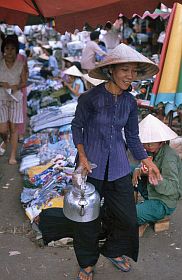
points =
(75, 90)
(171, 178)
(79, 123)
(132, 138)
(23, 79)
(83, 161)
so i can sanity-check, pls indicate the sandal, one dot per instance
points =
(2, 150)
(85, 273)
(122, 264)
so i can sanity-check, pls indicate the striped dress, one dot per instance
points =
(10, 110)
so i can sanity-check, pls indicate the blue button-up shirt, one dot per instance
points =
(98, 123)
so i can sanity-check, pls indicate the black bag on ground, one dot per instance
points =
(54, 225)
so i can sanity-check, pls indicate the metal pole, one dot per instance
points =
(170, 118)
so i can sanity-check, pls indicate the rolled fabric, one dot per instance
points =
(163, 55)
(170, 74)
(178, 97)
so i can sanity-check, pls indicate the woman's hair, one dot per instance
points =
(78, 65)
(49, 51)
(10, 40)
(28, 52)
(101, 43)
(94, 35)
(108, 25)
(2, 35)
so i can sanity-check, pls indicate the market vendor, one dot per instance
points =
(52, 70)
(160, 200)
(74, 84)
(13, 77)
(100, 116)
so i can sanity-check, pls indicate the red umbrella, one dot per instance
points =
(16, 12)
(73, 14)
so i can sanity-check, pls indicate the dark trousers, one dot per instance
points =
(119, 221)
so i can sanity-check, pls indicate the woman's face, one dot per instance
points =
(153, 147)
(71, 79)
(10, 51)
(124, 74)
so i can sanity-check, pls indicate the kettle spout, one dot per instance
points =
(82, 211)
(82, 203)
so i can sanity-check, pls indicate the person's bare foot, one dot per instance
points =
(85, 273)
(12, 161)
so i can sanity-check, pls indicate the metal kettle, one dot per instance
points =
(82, 201)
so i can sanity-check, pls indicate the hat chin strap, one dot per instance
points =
(110, 78)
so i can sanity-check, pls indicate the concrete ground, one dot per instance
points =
(21, 259)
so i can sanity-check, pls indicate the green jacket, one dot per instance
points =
(169, 190)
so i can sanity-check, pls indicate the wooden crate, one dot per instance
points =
(162, 225)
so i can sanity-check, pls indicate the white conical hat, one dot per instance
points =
(151, 130)
(73, 71)
(125, 54)
(44, 56)
(92, 81)
(69, 58)
(46, 46)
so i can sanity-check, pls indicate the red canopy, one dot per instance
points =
(73, 14)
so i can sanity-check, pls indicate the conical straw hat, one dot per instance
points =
(69, 58)
(152, 130)
(92, 81)
(73, 71)
(125, 54)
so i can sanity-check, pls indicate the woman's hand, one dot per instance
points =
(68, 85)
(136, 176)
(153, 172)
(14, 88)
(83, 161)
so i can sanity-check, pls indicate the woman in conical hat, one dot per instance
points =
(75, 84)
(101, 115)
(160, 200)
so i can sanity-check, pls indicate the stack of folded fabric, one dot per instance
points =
(47, 164)
(53, 117)
(44, 184)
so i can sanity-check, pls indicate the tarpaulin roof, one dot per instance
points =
(73, 14)
(153, 15)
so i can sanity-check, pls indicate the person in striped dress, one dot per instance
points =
(12, 80)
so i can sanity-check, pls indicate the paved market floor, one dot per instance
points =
(21, 259)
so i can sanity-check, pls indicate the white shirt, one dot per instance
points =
(53, 65)
(12, 76)
(88, 55)
(111, 39)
